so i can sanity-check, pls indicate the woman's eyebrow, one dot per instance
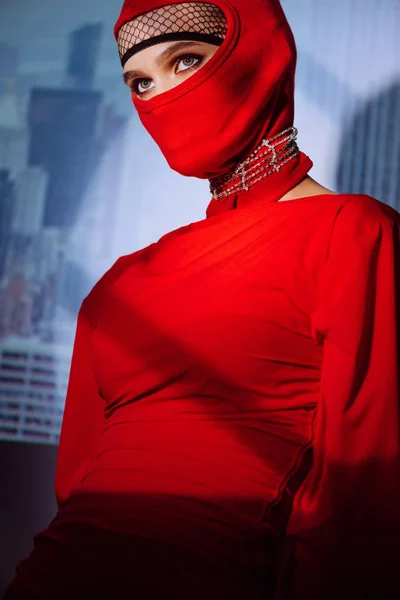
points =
(168, 52)
(128, 75)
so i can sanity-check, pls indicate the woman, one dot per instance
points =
(231, 425)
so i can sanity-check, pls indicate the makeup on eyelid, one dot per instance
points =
(152, 71)
(135, 83)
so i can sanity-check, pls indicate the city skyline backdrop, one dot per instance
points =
(82, 183)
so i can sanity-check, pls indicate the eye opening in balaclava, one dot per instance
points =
(197, 21)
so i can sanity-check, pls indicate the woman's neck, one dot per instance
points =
(307, 187)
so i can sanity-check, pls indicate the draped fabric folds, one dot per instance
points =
(234, 390)
(346, 517)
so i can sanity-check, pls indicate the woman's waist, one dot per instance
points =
(215, 405)
(238, 457)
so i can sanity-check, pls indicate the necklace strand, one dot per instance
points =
(266, 155)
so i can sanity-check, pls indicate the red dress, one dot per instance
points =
(242, 367)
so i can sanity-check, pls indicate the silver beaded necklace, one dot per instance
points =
(270, 154)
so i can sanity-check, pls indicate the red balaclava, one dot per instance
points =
(217, 117)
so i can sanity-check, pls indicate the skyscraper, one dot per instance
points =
(63, 128)
(30, 195)
(369, 160)
(7, 193)
(9, 59)
(84, 48)
(13, 132)
(95, 230)
(32, 395)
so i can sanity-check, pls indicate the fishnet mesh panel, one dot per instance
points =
(194, 17)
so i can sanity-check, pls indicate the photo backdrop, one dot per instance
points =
(81, 183)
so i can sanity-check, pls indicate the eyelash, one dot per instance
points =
(135, 84)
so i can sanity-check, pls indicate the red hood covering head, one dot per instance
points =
(244, 93)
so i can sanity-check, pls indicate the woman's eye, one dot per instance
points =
(188, 62)
(143, 85)
(183, 63)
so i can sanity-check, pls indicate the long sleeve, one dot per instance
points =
(83, 413)
(345, 523)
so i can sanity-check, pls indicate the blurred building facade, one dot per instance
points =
(59, 166)
(63, 130)
(34, 379)
(14, 135)
(83, 55)
(9, 60)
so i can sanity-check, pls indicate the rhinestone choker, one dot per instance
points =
(266, 159)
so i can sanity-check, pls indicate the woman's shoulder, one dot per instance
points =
(354, 226)
(353, 219)
(362, 208)
(109, 277)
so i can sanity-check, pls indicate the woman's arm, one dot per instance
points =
(83, 414)
(345, 523)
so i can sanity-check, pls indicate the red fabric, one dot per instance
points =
(245, 93)
(210, 366)
(204, 368)
(346, 517)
